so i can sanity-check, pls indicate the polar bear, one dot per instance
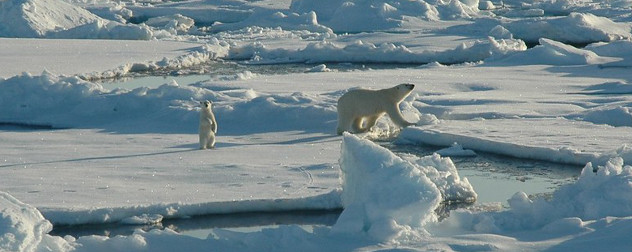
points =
(359, 109)
(208, 126)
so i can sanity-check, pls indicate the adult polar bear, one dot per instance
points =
(359, 109)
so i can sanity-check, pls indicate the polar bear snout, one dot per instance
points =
(206, 104)
(405, 86)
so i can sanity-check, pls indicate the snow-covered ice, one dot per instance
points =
(546, 80)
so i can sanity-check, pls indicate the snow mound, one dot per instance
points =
(72, 102)
(596, 195)
(292, 21)
(456, 150)
(616, 87)
(23, 228)
(365, 52)
(574, 28)
(175, 24)
(35, 18)
(319, 68)
(499, 32)
(373, 15)
(214, 49)
(443, 173)
(385, 196)
(22, 225)
(59, 19)
(551, 52)
(104, 29)
(616, 116)
(621, 49)
(534, 143)
(143, 219)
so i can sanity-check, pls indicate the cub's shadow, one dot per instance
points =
(223, 144)
(98, 158)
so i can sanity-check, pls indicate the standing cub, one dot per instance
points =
(208, 126)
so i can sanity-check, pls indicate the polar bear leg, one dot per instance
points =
(357, 125)
(370, 122)
(344, 123)
(396, 116)
(211, 141)
(203, 141)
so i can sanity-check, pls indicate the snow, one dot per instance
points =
(175, 23)
(503, 136)
(574, 28)
(24, 228)
(115, 55)
(551, 52)
(546, 80)
(23, 18)
(418, 185)
(58, 19)
(456, 150)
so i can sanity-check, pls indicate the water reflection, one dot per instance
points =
(496, 178)
(200, 226)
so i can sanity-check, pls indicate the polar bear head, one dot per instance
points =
(402, 90)
(206, 104)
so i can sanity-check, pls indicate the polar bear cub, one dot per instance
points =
(359, 109)
(208, 126)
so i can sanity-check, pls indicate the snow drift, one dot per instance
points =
(600, 192)
(386, 196)
(24, 228)
(59, 19)
(375, 15)
(551, 52)
(365, 52)
(72, 102)
(36, 18)
(574, 28)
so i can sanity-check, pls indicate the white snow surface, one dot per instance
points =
(76, 151)
(58, 19)
(68, 56)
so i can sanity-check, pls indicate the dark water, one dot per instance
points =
(227, 70)
(200, 226)
(496, 178)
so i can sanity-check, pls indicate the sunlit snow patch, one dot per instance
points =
(385, 196)
(595, 195)
(59, 19)
(551, 139)
(456, 150)
(23, 228)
